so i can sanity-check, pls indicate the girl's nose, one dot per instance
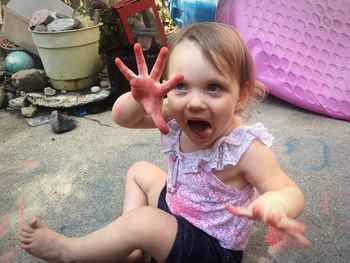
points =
(196, 102)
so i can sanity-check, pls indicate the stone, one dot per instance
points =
(29, 111)
(57, 15)
(9, 96)
(41, 17)
(95, 89)
(104, 84)
(61, 123)
(41, 118)
(63, 24)
(29, 80)
(40, 28)
(18, 103)
(68, 100)
(48, 91)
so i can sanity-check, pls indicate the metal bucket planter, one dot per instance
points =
(70, 58)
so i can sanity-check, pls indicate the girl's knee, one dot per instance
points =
(137, 167)
(147, 177)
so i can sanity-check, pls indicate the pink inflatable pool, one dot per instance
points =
(301, 49)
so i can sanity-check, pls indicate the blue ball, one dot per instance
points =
(18, 60)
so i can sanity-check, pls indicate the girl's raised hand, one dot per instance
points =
(291, 230)
(146, 88)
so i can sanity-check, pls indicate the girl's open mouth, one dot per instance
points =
(201, 129)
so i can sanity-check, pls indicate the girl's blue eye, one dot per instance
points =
(214, 88)
(180, 86)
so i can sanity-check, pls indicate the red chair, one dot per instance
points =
(127, 8)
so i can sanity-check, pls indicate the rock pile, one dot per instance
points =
(46, 20)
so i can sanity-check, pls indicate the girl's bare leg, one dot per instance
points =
(147, 228)
(144, 182)
(143, 185)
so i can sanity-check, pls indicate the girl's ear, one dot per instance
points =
(245, 95)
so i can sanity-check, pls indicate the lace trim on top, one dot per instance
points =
(226, 150)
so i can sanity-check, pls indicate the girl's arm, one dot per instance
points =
(129, 113)
(280, 200)
(144, 107)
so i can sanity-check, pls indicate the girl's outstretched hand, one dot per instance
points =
(291, 230)
(146, 88)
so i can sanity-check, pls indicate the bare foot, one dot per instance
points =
(43, 243)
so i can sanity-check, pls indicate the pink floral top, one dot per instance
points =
(196, 194)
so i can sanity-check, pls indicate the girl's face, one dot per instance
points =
(204, 103)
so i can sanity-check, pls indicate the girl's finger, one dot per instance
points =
(299, 238)
(273, 219)
(128, 73)
(171, 83)
(303, 240)
(258, 213)
(160, 122)
(292, 228)
(140, 60)
(290, 225)
(239, 211)
(158, 67)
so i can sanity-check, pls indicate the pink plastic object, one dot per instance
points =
(301, 49)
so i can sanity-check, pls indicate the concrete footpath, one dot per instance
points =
(75, 181)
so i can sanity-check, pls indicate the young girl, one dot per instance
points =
(201, 210)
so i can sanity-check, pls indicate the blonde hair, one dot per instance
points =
(226, 50)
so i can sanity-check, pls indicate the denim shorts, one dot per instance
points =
(194, 245)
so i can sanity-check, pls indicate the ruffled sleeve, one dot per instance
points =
(229, 149)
